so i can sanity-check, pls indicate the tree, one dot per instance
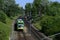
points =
(28, 10)
(10, 8)
(2, 17)
(50, 25)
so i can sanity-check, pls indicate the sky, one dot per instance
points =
(56, 0)
(22, 3)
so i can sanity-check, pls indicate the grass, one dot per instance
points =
(5, 29)
(37, 25)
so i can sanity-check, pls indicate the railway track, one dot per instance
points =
(38, 35)
(29, 33)
(24, 36)
(21, 36)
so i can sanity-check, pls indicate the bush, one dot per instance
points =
(2, 17)
(50, 25)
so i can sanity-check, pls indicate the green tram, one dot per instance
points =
(20, 24)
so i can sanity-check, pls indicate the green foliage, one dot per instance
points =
(50, 25)
(2, 17)
(37, 25)
(47, 13)
(8, 9)
(4, 31)
(27, 9)
(52, 9)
